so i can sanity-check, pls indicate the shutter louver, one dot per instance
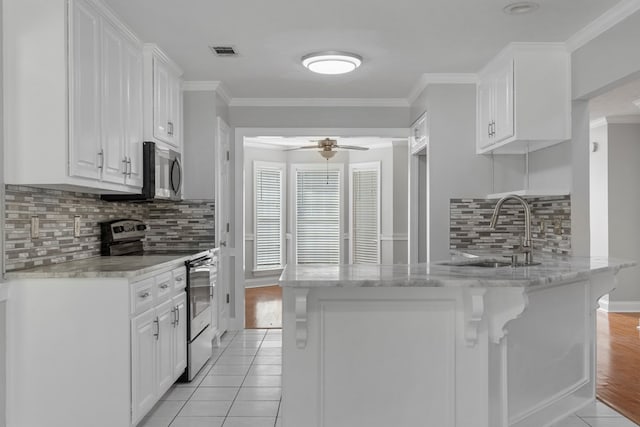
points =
(365, 221)
(268, 218)
(318, 216)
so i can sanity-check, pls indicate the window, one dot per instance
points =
(269, 214)
(317, 214)
(364, 214)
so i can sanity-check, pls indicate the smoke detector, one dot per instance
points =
(224, 51)
(520, 8)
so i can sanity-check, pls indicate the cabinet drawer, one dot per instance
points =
(180, 278)
(164, 286)
(142, 295)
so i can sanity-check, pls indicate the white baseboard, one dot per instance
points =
(620, 306)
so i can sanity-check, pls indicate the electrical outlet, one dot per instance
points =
(35, 227)
(541, 230)
(76, 226)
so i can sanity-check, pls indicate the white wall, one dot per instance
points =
(201, 109)
(607, 60)
(454, 170)
(599, 192)
(624, 207)
(319, 117)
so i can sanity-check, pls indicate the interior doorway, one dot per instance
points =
(263, 307)
(614, 209)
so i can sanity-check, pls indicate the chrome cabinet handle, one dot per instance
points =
(124, 162)
(179, 279)
(128, 168)
(101, 162)
(144, 295)
(170, 128)
(157, 333)
(173, 317)
(164, 286)
(177, 315)
(489, 129)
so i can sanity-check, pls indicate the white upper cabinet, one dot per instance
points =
(524, 99)
(74, 97)
(163, 98)
(419, 134)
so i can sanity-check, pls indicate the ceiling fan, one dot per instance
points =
(326, 147)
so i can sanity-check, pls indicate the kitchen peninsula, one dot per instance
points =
(441, 345)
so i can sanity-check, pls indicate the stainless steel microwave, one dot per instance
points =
(161, 173)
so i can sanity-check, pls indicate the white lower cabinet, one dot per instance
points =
(158, 351)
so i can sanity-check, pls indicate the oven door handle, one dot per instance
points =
(200, 269)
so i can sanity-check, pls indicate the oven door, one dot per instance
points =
(200, 299)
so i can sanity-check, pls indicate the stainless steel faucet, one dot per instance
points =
(527, 247)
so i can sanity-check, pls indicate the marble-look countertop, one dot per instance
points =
(551, 270)
(102, 266)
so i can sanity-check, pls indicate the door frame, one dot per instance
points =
(237, 190)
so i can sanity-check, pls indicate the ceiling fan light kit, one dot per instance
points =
(331, 62)
(327, 147)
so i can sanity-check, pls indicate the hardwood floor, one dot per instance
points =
(263, 307)
(618, 377)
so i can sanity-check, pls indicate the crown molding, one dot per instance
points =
(213, 86)
(604, 22)
(440, 78)
(630, 119)
(318, 102)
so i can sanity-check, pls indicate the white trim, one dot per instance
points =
(630, 119)
(212, 86)
(604, 22)
(394, 237)
(154, 49)
(440, 78)
(620, 306)
(319, 102)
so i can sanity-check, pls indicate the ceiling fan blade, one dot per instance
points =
(306, 147)
(351, 147)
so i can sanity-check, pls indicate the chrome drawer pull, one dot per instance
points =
(164, 286)
(145, 295)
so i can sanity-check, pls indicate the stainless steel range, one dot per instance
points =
(125, 237)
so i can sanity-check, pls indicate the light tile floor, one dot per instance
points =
(241, 387)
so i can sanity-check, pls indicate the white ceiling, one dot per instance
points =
(399, 40)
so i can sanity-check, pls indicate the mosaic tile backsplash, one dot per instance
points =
(172, 225)
(550, 224)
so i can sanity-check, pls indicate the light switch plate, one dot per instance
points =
(76, 226)
(35, 227)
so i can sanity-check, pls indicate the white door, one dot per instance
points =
(161, 94)
(143, 364)
(180, 328)
(133, 117)
(223, 219)
(504, 127)
(165, 315)
(115, 166)
(84, 151)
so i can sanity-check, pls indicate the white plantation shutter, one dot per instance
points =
(318, 216)
(268, 216)
(365, 214)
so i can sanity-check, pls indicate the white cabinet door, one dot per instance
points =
(144, 329)
(180, 345)
(503, 113)
(485, 112)
(85, 77)
(161, 100)
(165, 315)
(115, 166)
(133, 127)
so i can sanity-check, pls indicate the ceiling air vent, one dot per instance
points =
(224, 50)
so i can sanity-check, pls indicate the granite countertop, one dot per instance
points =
(551, 270)
(102, 266)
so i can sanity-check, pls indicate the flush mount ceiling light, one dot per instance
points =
(520, 8)
(331, 62)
